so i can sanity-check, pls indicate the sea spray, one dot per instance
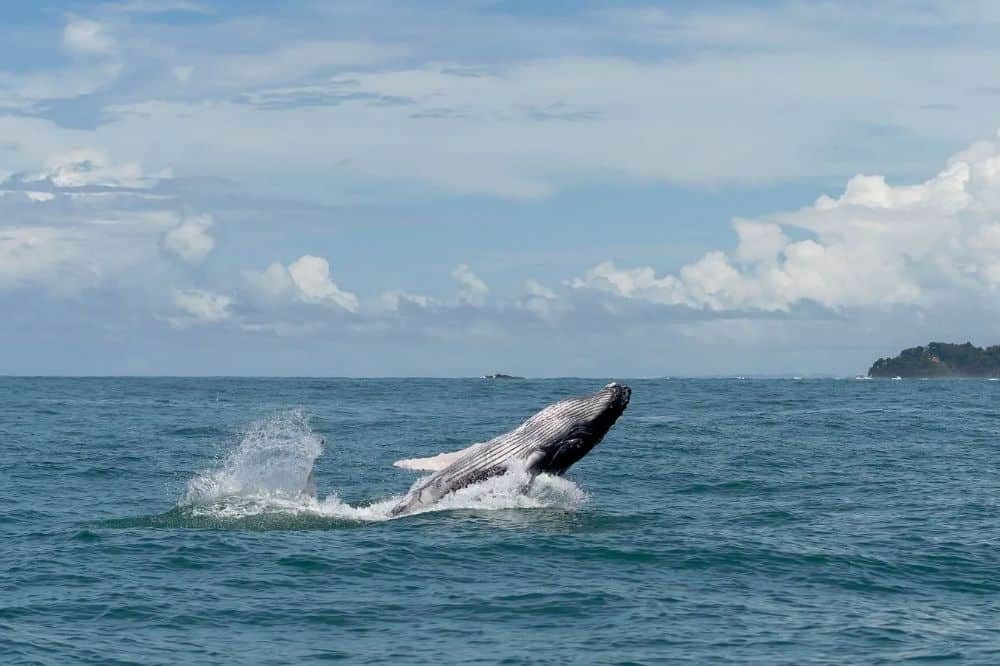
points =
(274, 458)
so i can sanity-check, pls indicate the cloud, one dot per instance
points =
(200, 307)
(69, 258)
(35, 91)
(306, 280)
(190, 240)
(294, 62)
(874, 246)
(159, 7)
(396, 299)
(88, 167)
(473, 290)
(84, 221)
(542, 301)
(816, 98)
(87, 37)
(33, 254)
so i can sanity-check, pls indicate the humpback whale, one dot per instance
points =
(550, 442)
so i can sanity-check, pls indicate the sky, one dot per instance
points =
(544, 188)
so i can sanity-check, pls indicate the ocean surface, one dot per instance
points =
(767, 521)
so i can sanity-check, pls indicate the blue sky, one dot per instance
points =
(453, 188)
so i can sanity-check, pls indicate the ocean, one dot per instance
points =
(771, 521)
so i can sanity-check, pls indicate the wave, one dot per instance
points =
(269, 475)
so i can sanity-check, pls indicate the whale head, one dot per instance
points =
(567, 430)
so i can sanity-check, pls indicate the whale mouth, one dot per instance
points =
(620, 394)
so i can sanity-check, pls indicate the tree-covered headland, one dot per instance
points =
(941, 359)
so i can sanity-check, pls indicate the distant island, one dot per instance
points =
(940, 359)
(500, 375)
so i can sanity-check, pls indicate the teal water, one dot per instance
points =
(721, 521)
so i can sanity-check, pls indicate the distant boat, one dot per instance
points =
(897, 378)
(500, 375)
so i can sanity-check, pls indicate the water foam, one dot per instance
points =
(270, 472)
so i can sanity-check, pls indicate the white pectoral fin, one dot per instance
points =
(434, 463)
(533, 459)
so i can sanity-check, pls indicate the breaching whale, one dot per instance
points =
(550, 442)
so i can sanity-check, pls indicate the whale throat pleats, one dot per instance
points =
(435, 463)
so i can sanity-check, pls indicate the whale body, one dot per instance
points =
(549, 442)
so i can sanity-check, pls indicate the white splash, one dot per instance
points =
(514, 490)
(271, 472)
(274, 459)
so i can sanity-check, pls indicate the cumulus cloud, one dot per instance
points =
(874, 246)
(306, 280)
(87, 37)
(473, 290)
(190, 240)
(200, 307)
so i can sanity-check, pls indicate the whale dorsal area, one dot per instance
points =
(435, 463)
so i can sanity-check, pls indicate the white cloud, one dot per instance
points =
(312, 277)
(87, 37)
(24, 92)
(200, 307)
(473, 291)
(307, 280)
(815, 98)
(89, 167)
(34, 254)
(296, 60)
(283, 328)
(80, 223)
(72, 257)
(542, 301)
(182, 73)
(396, 298)
(273, 283)
(190, 240)
(537, 290)
(530, 128)
(874, 246)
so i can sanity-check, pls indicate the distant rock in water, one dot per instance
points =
(500, 375)
(940, 359)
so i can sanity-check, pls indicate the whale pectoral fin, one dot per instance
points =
(434, 463)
